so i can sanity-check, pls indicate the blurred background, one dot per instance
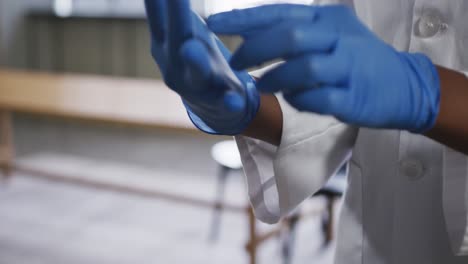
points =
(100, 164)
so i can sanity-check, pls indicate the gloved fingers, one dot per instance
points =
(326, 100)
(196, 56)
(205, 79)
(227, 88)
(197, 59)
(284, 41)
(156, 11)
(240, 22)
(179, 22)
(234, 101)
(304, 73)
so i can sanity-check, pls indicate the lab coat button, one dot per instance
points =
(412, 169)
(429, 24)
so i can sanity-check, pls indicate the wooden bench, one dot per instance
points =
(143, 103)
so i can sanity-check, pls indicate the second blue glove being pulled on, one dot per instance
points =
(194, 63)
(335, 65)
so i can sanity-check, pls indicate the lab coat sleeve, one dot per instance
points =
(312, 148)
(455, 170)
(455, 199)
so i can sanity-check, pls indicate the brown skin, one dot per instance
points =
(451, 128)
(268, 124)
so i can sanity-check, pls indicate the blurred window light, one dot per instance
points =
(135, 8)
(63, 8)
(237, 4)
(215, 6)
(97, 8)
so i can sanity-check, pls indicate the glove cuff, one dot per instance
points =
(425, 78)
(216, 122)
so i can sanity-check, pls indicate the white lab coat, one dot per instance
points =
(407, 197)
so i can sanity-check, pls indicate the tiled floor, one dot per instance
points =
(52, 223)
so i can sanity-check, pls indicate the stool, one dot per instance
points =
(332, 191)
(227, 157)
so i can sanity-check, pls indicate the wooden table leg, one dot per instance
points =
(331, 218)
(7, 151)
(252, 243)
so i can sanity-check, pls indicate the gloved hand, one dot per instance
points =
(194, 64)
(334, 65)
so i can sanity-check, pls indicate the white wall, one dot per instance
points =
(216, 6)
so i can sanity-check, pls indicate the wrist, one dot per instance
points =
(450, 128)
(424, 88)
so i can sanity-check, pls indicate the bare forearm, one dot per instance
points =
(451, 128)
(268, 124)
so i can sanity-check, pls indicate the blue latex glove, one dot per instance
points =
(335, 65)
(194, 64)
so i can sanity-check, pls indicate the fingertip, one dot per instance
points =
(223, 24)
(269, 83)
(179, 21)
(233, 101)
(327, 100)
(242, 59)
(156, 17)
(264, 87)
